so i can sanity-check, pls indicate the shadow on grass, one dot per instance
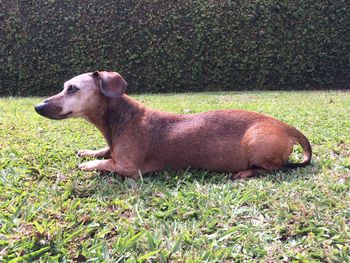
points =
(101, 183)
(290, 175)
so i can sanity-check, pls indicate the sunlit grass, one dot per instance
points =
(50, 211)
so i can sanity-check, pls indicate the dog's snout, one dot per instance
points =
(39, 108)
(50, 110)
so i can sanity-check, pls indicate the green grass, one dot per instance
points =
(50, 211)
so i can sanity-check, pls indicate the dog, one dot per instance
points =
(142, 140)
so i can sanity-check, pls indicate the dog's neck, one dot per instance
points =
(113, 115)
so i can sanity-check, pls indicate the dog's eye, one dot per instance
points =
(72, 89)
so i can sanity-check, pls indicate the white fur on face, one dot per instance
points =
(78, 102)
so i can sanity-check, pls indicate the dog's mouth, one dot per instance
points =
(60, 117)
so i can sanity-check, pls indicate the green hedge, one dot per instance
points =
(179, 45)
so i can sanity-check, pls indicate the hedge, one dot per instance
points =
(179, 45)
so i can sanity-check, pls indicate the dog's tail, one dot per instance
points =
(305, 144)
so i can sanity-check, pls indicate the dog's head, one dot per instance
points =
(82, 94)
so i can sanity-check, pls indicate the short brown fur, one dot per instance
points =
(142, 140)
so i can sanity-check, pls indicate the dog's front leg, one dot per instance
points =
(110, 166)
(104, 153)
(99, 165)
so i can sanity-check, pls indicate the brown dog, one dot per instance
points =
(141, 140)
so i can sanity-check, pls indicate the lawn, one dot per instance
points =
(52, 212)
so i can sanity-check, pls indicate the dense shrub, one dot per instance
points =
(180, 45)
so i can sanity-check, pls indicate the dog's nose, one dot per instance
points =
(39, 107)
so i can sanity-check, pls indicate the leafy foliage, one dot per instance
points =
(52, 212)
(161, 45)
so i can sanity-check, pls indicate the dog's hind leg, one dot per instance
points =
(104, 153)
(245, 174)
(266, 165)
(268, 147)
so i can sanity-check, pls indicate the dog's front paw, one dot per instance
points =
(85, 153)
(88, 166)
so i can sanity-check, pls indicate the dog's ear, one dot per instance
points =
(112, 84)
(96, 75)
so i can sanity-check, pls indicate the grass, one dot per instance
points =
(52, 212)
